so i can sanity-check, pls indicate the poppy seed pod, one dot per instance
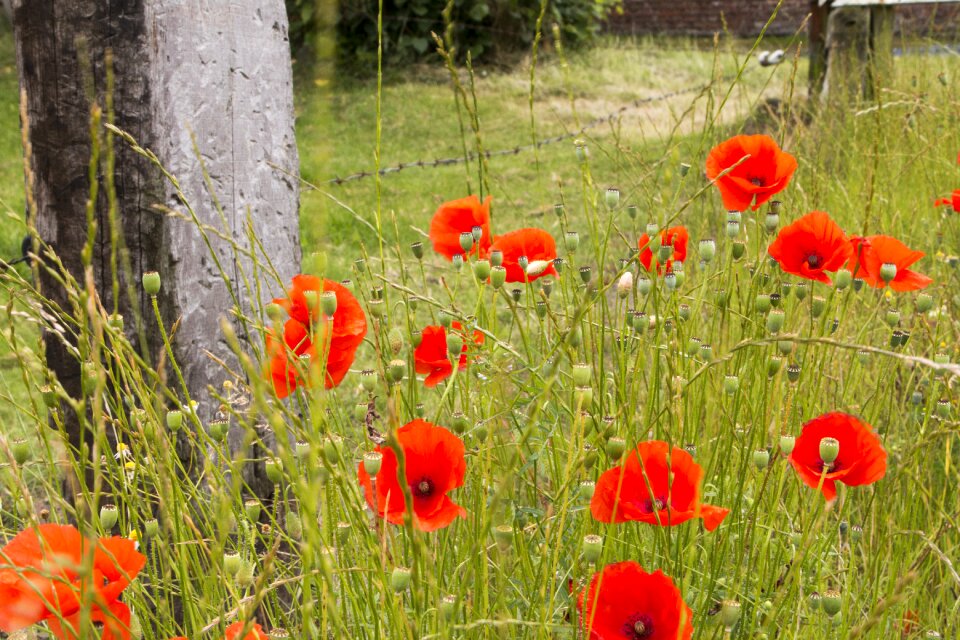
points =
(522, 262)
(583, 396)
(924, 302)
(481, 269)
(664, 253)
(232, 562)
(733, 228)
(108, 516)
(785, 347)
(817, 306)
(372, 460)
(708, 249)
(582, 152)
(615, 447)
(400, 579)
(174, 420)
(585, 274)
(761, 459)
(632, 211)
(151, 283)
(454, 344)
(457, 261)
(729, 613)
(466, 241)
(498, 275)
(251, 508)
(773, 365)
(377, 308)
(800, 290)
(151, 528)
(684, 169)
(503, 535)
(302, 447)
(775, 300)
(581, 375)
(762, 303)
(843, 279)
(274, 470)
(328, 302)
(21, 450)
(706, 352)
(558, 210)
(775, 321)
(396, 369)
(683, 311)
(731, 384)
(787, 443)
(612, 198)
(477, 232)
(830, 601)
(395, 340)
(892, 317)
(670, 281)
(737, 249)
(943, 408)
(771, 221)
(857, 284)
(293, 525)
(829, 450)
(644, 285)
(775, 206)
(587, 489)
(793, 372)
(459, 422)
(888, 271)
(592, 547)
(312, 299)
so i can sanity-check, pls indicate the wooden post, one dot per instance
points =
(859, 52)
(880, 68)
(817, 46)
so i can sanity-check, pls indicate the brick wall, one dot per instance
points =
(747, 17)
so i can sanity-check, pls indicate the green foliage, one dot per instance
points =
(488, 29)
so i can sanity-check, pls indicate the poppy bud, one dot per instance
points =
(615, 447)
(829, 450)
(536, 268)
(372, 460)
(708, 249)
(787, 443)
(733, 228)
(771, 222)
(762, 303)
(274, 470)
(632, 211)
(581, 375)
(773, 365)
(737, 249)
(503, 535)
(558, 210)
(625, 284)
(151, 283)
(612, 198)
(888, 271)
(481, 269)
(729, 613)
(459, 422)
(232, 563)
(830, 601)
(251, 508)
(395, 370)
(400, 579)
(592, 547)
(775, 321)
(585, 274)
(924, 302)
(761, 459)
(731, 384)
(21, 450)
(817, 306)
(108, 516)
(293, 525)
(498, 275)
(843, 279)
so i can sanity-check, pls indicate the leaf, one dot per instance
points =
(419, 44)
(479, 11)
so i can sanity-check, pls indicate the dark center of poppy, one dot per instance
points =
(757, 182)
(830, 468)
(655, 504)
(638, 626)
(424, 488)
(814, 260)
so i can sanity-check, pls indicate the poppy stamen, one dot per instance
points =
(639, 626)
(655, 504)
(424, 488)
(814, 260)
(757, 182)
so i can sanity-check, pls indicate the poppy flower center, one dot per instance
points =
(655, 504)
(814, 261)
(757, 182)
(638, 626)
(424, 488)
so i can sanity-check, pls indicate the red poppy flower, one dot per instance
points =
(434, 466)
(862, 459)
(40, 578)
(431, 357)
(536, 245)
(460, 216)
(868, 255)
(255, 632)
(624, 602)
(953, 201)
(764, 174)
(811, 246)
(341, 335)
(641, 489)
(674, 236)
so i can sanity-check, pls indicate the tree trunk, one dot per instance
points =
(216, 72)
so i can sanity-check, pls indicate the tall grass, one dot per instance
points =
(699, 369)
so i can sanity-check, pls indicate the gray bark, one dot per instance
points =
(220, 70)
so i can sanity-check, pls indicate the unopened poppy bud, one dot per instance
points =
(585, 274)
(843, 279)
(773, 365)
(498, 275)
(731, 384)
(592, 547)
(644, 285)
(924, 302)
(108, 516)
(830, 601)
(459, 422)
(615, 447)
(457, 261)
(293, 525)
(536, 268)
(503, 534)
(632, 211)
(251, 509)
(761, 459)
(943, 408)
(892, 317)
(817, 306)
(400, 579)
(775, 321)
(737, 249)
(762, 303)
(732, 228)
(372, 460)
(583, 396)
(708, 249)
(771, 221)
(729, 613)
(21, 450)
(787, 443)
(417, 249)
(395, 370)
(151, 283)
(829, 450)
(625, 284)
(581, 375)
(612, 198)
(274, 470)
(481, 269)
(232, 562)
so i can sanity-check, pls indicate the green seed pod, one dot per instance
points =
(503, 535)
(773, 365)
(830, 602)
(498, 275)
(943, 408)
(731, 384)
(481, 269)
(396, 369)
(293, 525)
(328, 303)
(174, 420)
(575, 337)
(737, 249)
(863, 357)
(644, 285)
(706, 352)
(924, 302)
(343, 531)
(583, 396)
(829, 449)
(793, 372)
(708, 249)
(454, 344)
(632, 211)
(368, 379)
(693, 346)
(843, 279)
(587, 489)
(372, 460)
(21, 450)
(571, 240)
(232, 563)
(252, 510)
(813, 600)
(457, 261)
(771, 221)
(360, 410)
(817, 306)
(785, 347)
(732, 229)
(466, 241)
(592, 548)
(274, 470)
(151, 528)
(858, 284)
(787, 443)
(762, 303)
(244, 576)
(459, 422)
(615, 447)
(586, 273)
(775, 321)
(800, 289)
(888, 271)
(108, 517)
(612, 198)
(448, 607)
(151, 283)
(761, 459)
(49, 395)
(331, 449)
(581, 375)
(729, 613)
(417, 249)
